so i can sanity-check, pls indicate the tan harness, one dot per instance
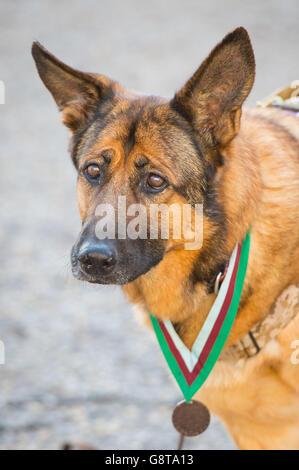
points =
(286, 98)
(282, 312)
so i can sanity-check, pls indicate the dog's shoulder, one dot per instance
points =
(272, 123)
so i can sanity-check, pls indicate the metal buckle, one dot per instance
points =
(217, 283)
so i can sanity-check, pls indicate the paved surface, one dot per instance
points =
(78, 364)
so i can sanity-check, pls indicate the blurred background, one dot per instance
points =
(78, 364)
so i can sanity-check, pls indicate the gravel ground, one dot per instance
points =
(78, 364)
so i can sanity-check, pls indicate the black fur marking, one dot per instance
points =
(133, 114)
(213, 257)
(183, 124)
(205, 271)
(176, 106)
(141, 161)
(212, 208)
(130, 141)
(101, 117)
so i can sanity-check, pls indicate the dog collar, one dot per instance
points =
(191, 368)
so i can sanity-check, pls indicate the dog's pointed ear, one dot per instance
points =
(213, 96)
(76, 93)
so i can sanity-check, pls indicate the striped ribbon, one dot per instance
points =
(191, 368)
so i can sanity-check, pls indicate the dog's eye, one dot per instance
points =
(92, 172)
(155, 182)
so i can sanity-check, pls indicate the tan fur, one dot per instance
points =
(258, 399)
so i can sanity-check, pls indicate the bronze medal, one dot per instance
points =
(191, 418)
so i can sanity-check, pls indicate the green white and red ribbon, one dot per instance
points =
(191, 368)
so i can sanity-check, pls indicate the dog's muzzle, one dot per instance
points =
(112, 261)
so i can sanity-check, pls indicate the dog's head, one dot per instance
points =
(135, 149)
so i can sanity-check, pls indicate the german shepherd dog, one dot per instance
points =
(196, 148)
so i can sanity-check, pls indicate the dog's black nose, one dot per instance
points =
(97, 259)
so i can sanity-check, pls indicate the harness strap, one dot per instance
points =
(282, 312)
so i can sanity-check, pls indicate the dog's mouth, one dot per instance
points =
(117, 278)
(104, 263)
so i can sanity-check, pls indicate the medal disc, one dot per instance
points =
(191, 418)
